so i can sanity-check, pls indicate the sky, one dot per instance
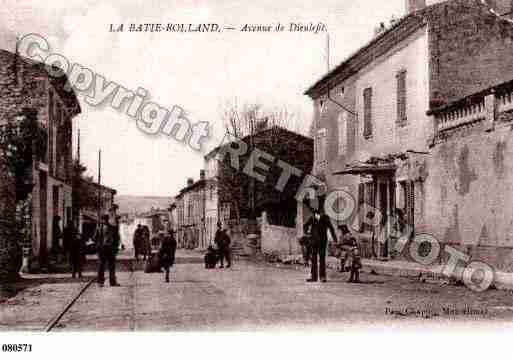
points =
(199, 72)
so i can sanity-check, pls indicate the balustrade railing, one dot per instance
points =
(458, 116)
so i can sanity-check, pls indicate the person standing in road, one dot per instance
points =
(355, 262)
(68, 235)
(137, 241)
(167, 253)
(223, 241)
(345, 245)
(56, 237)
(318, 226)
(146, 243)
(218, 239)
(227, 251)
(77, 253)
(105, 240)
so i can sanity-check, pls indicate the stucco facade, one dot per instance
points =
(441, 162)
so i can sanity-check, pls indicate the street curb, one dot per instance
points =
(502, 280)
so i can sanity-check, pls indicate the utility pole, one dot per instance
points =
(99, 184)
(328, 52)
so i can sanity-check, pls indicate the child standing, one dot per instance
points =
(354, 262)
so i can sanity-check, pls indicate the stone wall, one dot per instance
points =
(278, 240)
(470, 50)
(469, 194)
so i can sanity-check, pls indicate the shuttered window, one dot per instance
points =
(321, 141)
(401, 98)
(410, 203)
(367, 112)
(342, 133)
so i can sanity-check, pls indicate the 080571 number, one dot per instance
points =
(14, 348)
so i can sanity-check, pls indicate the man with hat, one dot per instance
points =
(318, 226)
(107, 243)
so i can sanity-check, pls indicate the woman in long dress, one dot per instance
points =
(167, 252)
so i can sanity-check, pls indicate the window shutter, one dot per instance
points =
(401, 97)
(410, 203)
(342, 133)
(367, 112)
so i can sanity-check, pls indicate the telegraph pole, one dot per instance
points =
(99, 184)
(328, 52)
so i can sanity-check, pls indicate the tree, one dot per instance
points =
(84, 193)
(21, 140)
(247, 122)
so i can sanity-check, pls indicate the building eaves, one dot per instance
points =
(363, 56)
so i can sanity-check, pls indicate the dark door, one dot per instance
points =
(43, 218)
(383, 207)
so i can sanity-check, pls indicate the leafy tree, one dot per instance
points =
(21, 140)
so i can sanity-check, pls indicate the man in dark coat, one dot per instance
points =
(56, 237)
(167, 253)
(138, 241)
(318, 226)
(223, 241)
(106, 245)
(77, 253)
(67, 239)
(146, 243)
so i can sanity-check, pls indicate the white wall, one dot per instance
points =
(411, 55)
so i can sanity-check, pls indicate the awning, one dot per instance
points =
(367, 169)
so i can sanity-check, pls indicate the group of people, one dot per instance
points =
(164, 258)
(141, 242)
(317, 228)
(222, 251)
(72, 250)
(107, 240)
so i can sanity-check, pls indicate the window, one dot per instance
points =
(367, 112)
(322, 106)
(406, 202)
(320, 148)
(401, 98)
(342, 133)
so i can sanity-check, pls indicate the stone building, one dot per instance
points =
(401, 124)
(26, 84)
(190, 214)
(243, 199)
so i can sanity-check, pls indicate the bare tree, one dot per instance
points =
(245, 122)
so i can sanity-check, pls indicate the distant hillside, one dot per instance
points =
(139, 204)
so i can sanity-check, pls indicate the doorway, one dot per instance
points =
(43, 218)
(386, 206)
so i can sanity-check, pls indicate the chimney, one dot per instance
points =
(414, 5)
(202, 175)
(190, 182)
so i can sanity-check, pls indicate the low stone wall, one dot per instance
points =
(279, 240)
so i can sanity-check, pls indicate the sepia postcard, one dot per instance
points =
(256, 167)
